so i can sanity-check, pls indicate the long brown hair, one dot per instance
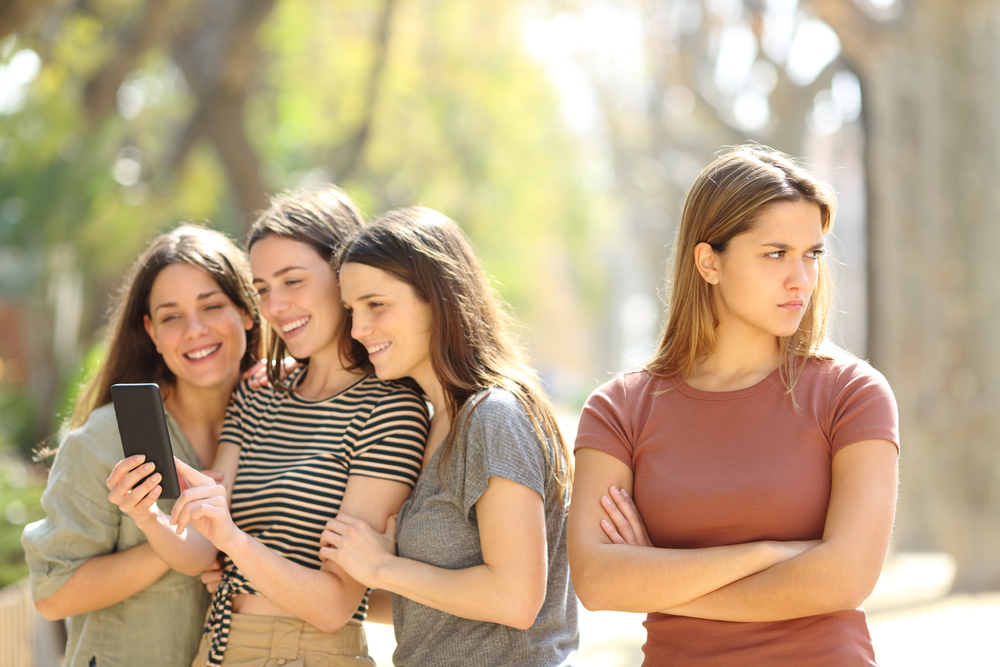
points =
(725, 201)
(323, 219)
(130, 355)
(472, 344)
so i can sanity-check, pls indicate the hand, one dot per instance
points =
(138, 502)
(212, 577)
(257, 374)
(203, 505)
(357, 547)
(626, 525)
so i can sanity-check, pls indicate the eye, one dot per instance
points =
(168, 318)
(372, 305)
(261, 291)
(815, 254)
(292, 282)
(777, 254)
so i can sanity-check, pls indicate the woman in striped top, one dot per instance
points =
(329, 438)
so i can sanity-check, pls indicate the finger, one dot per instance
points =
(610, 531)
(193, 477)
(249, 373)
(390, 527)
(627, 506)
(150, 498)
(122, 468)
(196, 493)
(621, 524)
(214, 474)
(121, 494)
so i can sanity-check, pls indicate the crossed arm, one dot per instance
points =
(759, 581)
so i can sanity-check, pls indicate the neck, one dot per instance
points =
(739, 359)
(325, 376)
(199, 413)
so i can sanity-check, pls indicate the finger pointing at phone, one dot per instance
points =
(203, 505)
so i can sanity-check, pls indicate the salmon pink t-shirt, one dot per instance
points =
(719, 468)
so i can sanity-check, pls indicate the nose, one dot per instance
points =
(195, 327)
(800, 277)
(274, 305)
(360, 325)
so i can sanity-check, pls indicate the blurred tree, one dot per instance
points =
(929, 71)
(120, 117)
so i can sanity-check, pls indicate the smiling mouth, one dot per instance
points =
(377, 348)
(294, 324)
(202, 353)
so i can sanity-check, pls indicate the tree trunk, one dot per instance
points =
(931, 92)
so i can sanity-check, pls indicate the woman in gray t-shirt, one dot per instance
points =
(481, 576)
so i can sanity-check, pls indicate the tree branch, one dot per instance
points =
(356, 145)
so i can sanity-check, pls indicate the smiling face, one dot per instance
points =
(299, 297)
(766, 276)
(391, 321)
(196, 328)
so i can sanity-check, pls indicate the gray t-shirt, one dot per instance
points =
(437, 525)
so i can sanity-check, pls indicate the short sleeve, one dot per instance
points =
(80, 522)
(864, 409)
(391, 446)
(500, 441)
(238, 420)
(605, 424)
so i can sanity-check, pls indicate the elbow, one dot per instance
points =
(522, 615)
(592, 588)
(49, 610)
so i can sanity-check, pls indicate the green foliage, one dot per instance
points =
(19, 505)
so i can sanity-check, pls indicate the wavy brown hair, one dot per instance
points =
(725, 201)
(472, 343)
(130, 355)
(324, 220)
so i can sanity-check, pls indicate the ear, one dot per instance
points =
(707, 262)
(148, 323)
(247, 320)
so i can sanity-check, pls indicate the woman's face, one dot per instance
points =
(299, 296)
(196, 328)
(391, 321)
(766, 277)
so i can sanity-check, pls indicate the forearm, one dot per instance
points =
(103, 581)
(821, 580)
(190, 552)
(621, 577)
(478, 593)
(325, 599)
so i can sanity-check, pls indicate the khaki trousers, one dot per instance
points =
(268, 641)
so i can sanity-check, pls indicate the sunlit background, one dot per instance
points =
(561, 135)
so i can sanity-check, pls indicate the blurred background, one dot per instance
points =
(561, 135)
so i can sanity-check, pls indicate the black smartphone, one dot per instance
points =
(142, 427)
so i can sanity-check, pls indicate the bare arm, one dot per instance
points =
(508, 588)
(326, 598)
(624, 577)
(102, 581)
(185, 551)
(839, 573)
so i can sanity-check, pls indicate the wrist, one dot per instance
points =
(236, 545)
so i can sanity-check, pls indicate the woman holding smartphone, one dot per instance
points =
(481, 576)
(740, 487)
(328, 438)
(185, 319)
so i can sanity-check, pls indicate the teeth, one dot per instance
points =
(294, 324)
(376, 348)
(202, 353)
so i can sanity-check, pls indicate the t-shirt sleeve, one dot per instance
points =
(864, 409)
(80, 521)
(391, 446)
(238, 417)
(605, 424)
(500, 441)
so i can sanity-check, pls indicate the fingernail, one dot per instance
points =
(605, 500)
(614, 490)
(148, 466)
(625, 493)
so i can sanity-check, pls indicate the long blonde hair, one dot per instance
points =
(725, 201)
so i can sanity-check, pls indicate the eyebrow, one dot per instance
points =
(281, 272)
(785, 246)
(203, 295)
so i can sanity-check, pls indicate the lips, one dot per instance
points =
(201, 353)
(795, 305)
(292, 325)
(375, 349)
